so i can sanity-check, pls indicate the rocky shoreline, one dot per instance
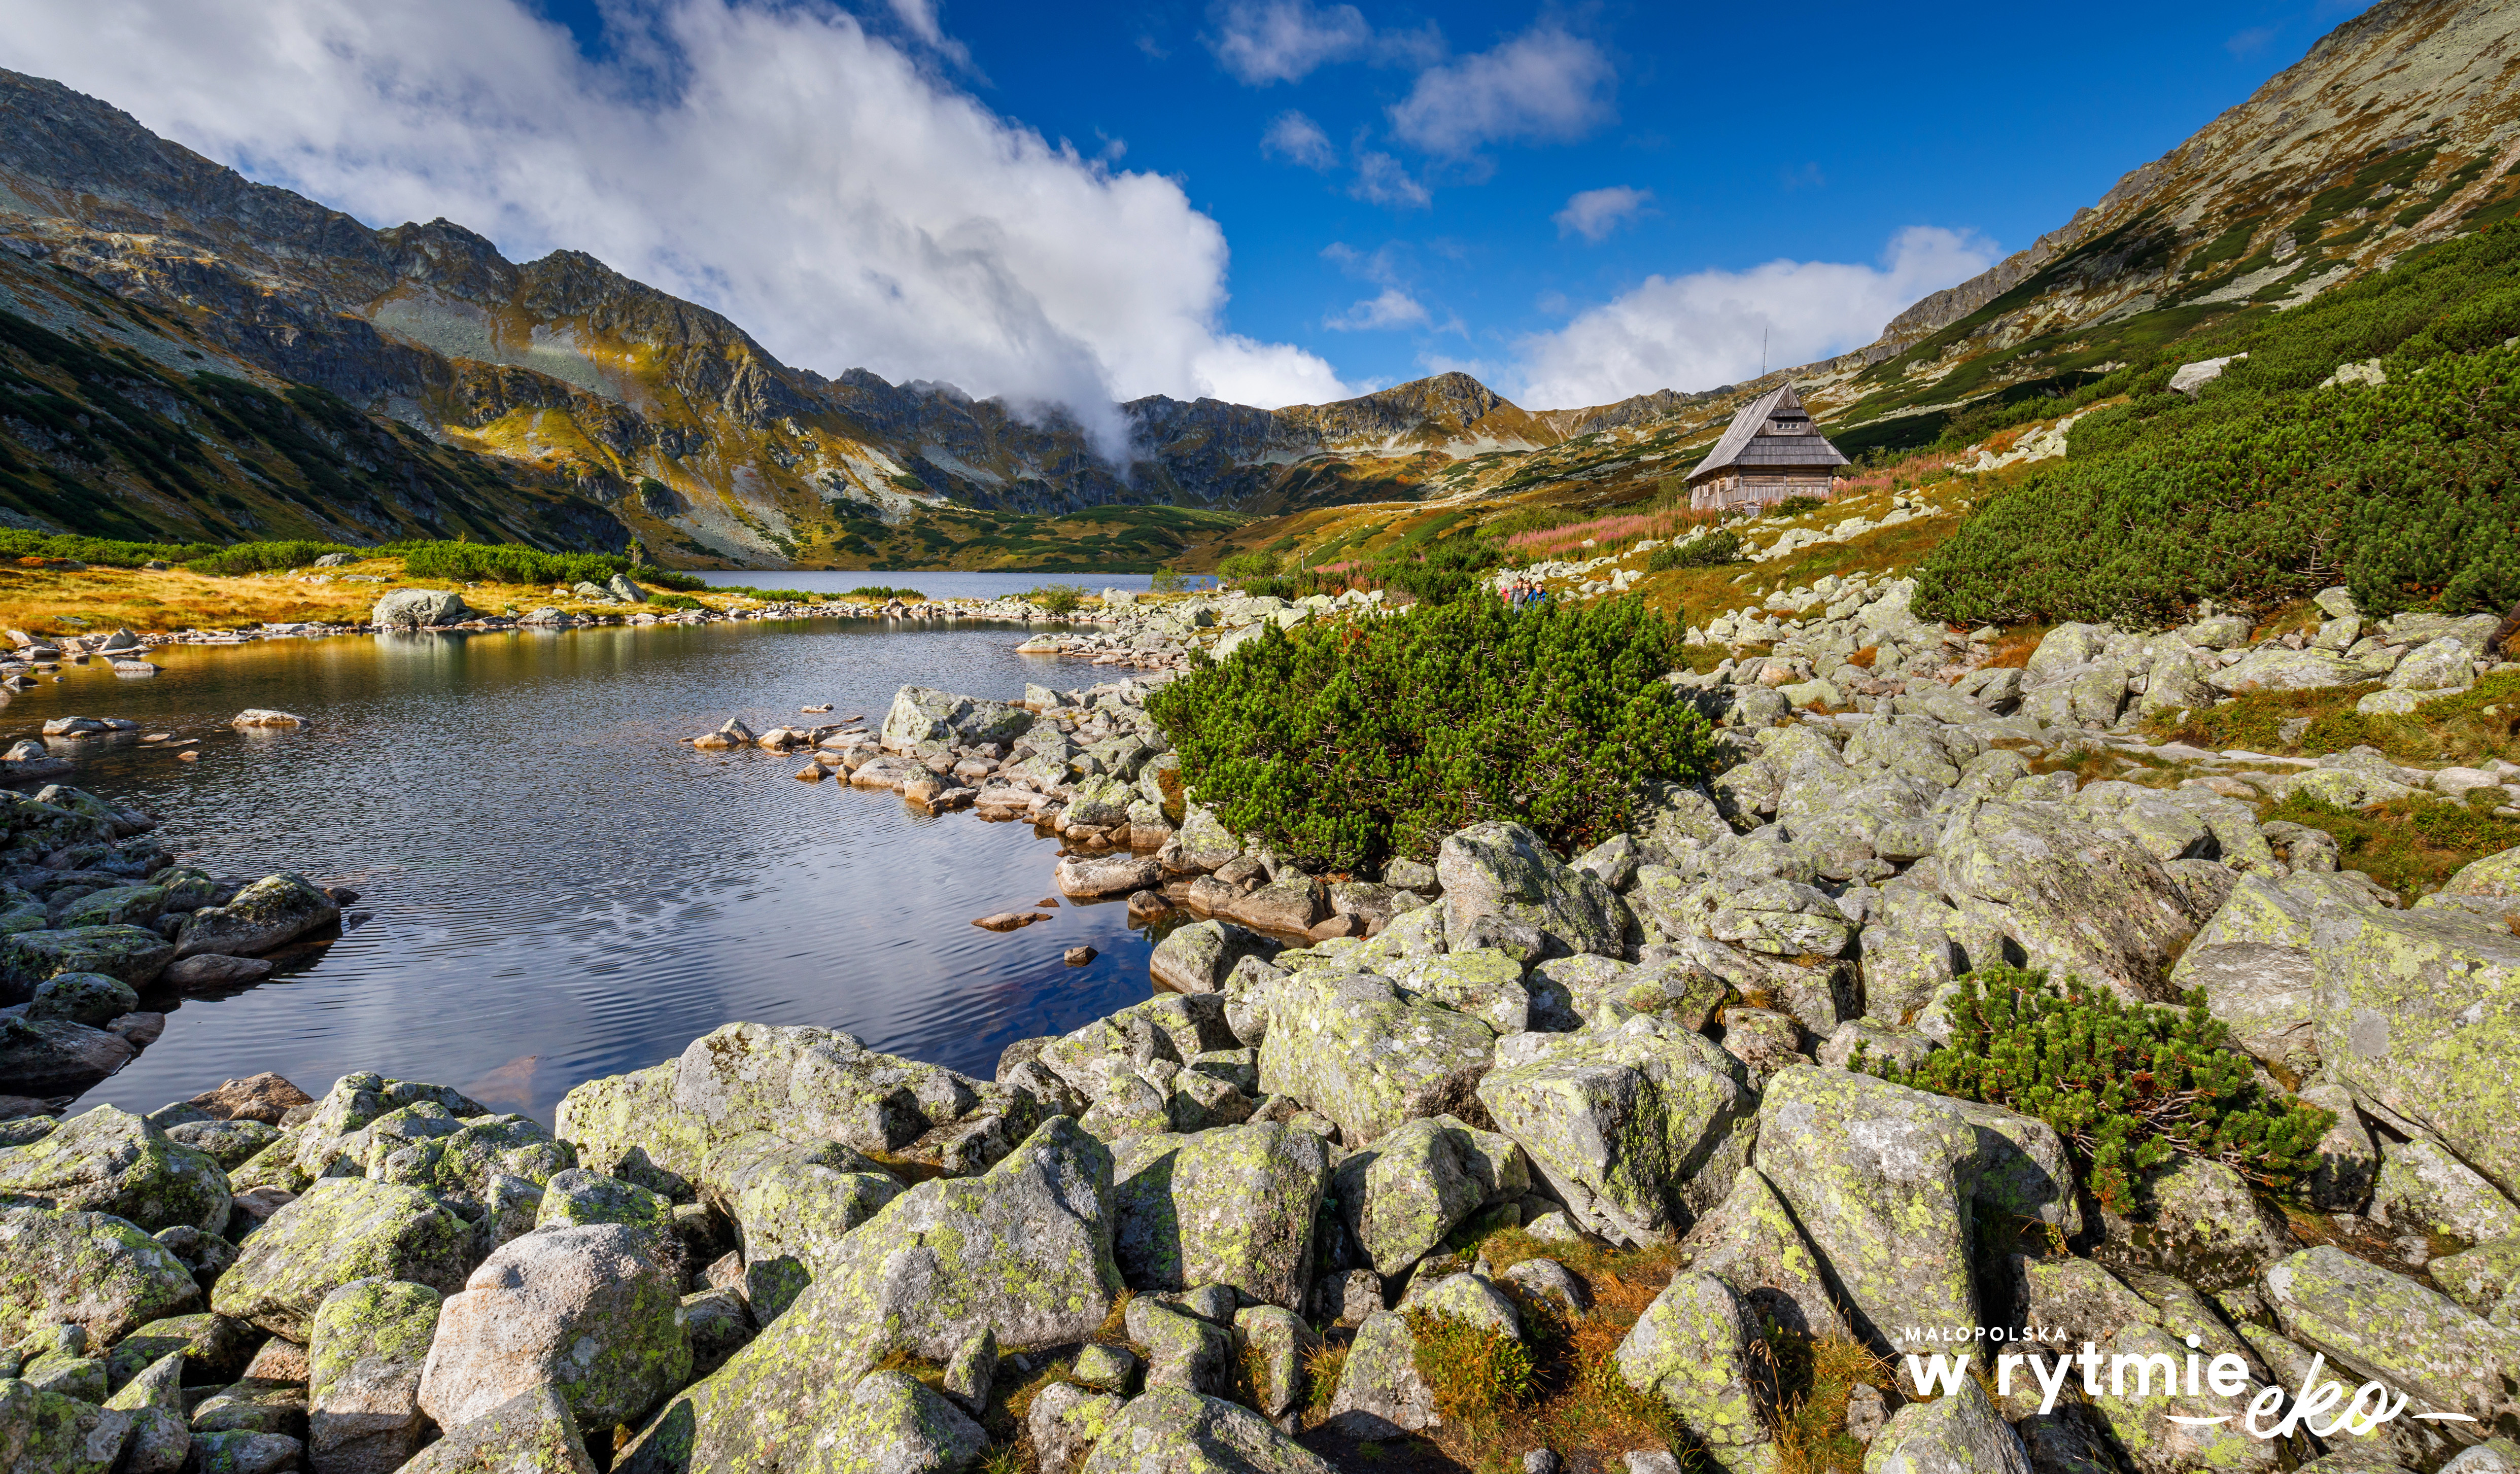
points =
(1303, 1157)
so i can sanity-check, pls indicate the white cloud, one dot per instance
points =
(1702, 330)
(1298, 139)
(1595, 213)
(1394, 308)
(919, 18)
(800, 175)
(1543, 85)
(1284, 40)
(1382, 179)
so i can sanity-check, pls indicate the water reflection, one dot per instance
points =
(557, 889)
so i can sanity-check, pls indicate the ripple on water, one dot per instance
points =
(559, 890)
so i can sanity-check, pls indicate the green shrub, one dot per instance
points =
(1707, 550)
(880, 592)
(668, 578)
(1249, 565)
(105, 552)
(268, 557)
(1341, 745)
(674, 601)
(1167, 580)
(2125, 1084)
(1797, 506)
(1059, 599)
(508, 563)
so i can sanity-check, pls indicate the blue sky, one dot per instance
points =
(1266, 199)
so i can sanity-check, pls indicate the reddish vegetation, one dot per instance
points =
(1610, 530)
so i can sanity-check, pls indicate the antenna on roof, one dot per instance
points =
(1763, 353)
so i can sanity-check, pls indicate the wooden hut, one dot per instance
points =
(1770, 452)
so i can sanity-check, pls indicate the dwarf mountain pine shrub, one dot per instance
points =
(1707, 550)
(2125, 1084)
(1058, 599)
(1341, 745)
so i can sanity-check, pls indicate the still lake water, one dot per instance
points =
(948, 584)
(559, 889)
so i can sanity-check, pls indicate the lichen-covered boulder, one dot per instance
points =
(2421, 1187)
(1691, 1350)
(2198, 1221)
(133, 955)
(273, 909)
(1182, 1350)
(215, 1349)
(926, 721)
(112, 1161)
(2077, 898)
(792, 1203)
(364, 1355)
(1274, 1342)
(1173, 1432)
(2480, 1279)
(1234, 1205)
(1024, 1251)
(1199, 957)
(340, 1229)
(45, 1433)
(1066, 1422)
(2161, 1429)
(160, 1436)
(230, 1143)
(460, 1164)
(2443, 1356)
(577, 1197)
(1884, 1179)
(332, 1140)
(1957, 1431)
(1380, 1394)
(1751, 1243)
(1351, 1047)
(589, 1309)
(1483, 982)
(1400, 1196)
(418, 609)
(619, 1120)
(82, 998)
(533, 1432)
(2420, 1016)
(1635, 1129)
(90, 1269)
(1502, 883)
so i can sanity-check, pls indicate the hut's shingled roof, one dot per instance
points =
(1751, 443)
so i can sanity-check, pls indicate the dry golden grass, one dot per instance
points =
(69, 601)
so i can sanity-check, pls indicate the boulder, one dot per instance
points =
(1957, 1431)
(530, 1433)
(1199, 957)
(90, 1269)
(365, 1348)
(1182, 1350)
(82, 998)
(2420, 1018)
(1751, 1243)
(133, 955)
(587, 1310)
(1066, 1422)
(419, 610)
(1023, 1250)
(2437, 665)
(340, 1229)
(2480, 1279)
(2074, 897)
(2280, 669)
(1635, 1129)
(1693, 1350)
(2172, 1434)
(1885, 1180)
(230, 1143)
(215, 1349)
(111, 1161)
(45, 1433)
(1276, 1342)
(792, 1203)
(1501, 882)
(1230, 1206)
(2198, 1221)
(1174, 1432)
(2385, 1325)
(1084, 877)
(925, 720)
(2422, 1188)
(1381, 1395)
(272, 911)
(160, 1436)
(1351, 1047)
(1402, 1194)
(59, 1058)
